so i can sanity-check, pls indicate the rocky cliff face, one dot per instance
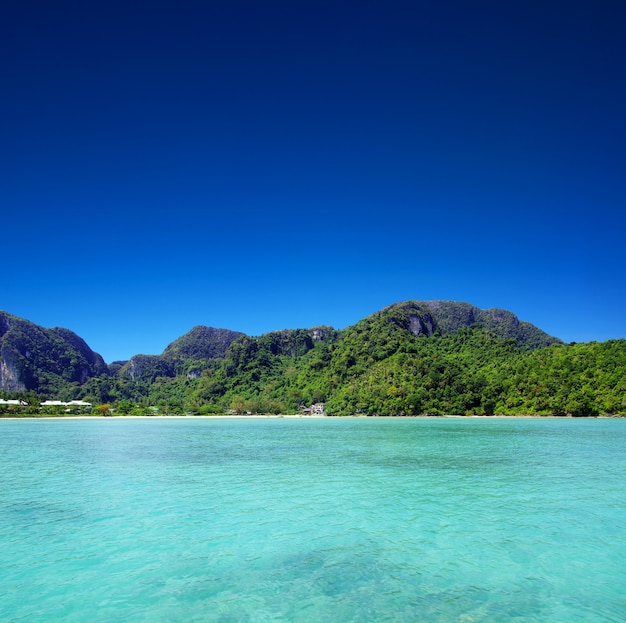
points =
(198, 345)
(148, 368)
(51, 360)
(44, 360)
(9, 375)
(447, 317)
(421, 324)
(323, 333)
(201, 343)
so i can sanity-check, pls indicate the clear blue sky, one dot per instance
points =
(267, 165)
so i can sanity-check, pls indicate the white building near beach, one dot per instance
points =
(72, 404)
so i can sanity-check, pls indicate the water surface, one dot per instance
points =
(305, 520)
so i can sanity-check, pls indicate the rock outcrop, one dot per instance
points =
(39, 359)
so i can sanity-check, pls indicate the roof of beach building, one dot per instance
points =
(60, 403)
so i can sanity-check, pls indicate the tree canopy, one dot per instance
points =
(414, 358)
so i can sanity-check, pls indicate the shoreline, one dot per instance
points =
(308, 417)
(156, 417)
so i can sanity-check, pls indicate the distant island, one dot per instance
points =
(411, 358)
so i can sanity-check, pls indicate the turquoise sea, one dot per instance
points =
(313, 520)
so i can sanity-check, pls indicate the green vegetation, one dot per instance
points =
(414, 358)
(48, 361)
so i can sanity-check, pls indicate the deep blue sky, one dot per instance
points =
(265, 165)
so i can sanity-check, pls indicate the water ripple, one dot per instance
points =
(319, 520)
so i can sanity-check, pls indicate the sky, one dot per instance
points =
(258, 166)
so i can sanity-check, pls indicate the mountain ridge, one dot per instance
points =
(33, 357)
(409, 358)
(74, 361)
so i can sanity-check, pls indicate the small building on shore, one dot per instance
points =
(78, 406)
(316, 409)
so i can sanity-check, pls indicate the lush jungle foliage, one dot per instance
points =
(409, 359)
(49, 361)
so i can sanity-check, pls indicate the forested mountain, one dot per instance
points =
(448, 317)
(411, 358)
(201, 343)
(187, 355)
(43, 360)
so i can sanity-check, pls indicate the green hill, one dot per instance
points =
(187, 355)
(445, 317)
(410, 358)
(48, 361)
(201, 343)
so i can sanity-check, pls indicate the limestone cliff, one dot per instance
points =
(43, 360)
(447, 317)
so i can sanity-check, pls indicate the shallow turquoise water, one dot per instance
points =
(324, 520)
